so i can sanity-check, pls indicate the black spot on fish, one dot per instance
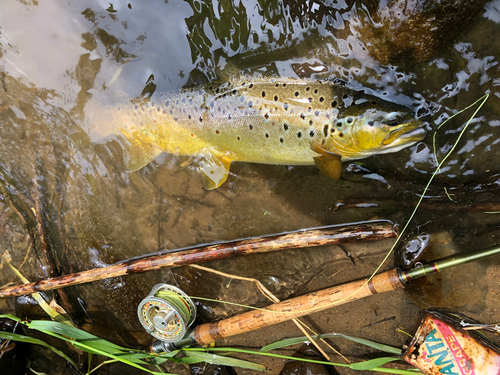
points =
(309, 109)
(285, 126)
(308, 88)
(312, 133)
(302, 116)
(311, 122)
(250, 126)
(284, 85)
(275, 98)
(374, 102)
(345, 96)
(277, 85)
(321, 99)
(251, 85)
(263, 94)
(316, 113)
(297, 93)
(334, 104)
(349, 120)
(234, 92)
(158, 109)
(316, 91)
(370, 123)
(250, 104)
(394, 123)
(238, 138)
(310, 100)
(299, 134)
(282, 140)
(285, 106)
(217, 132)
(266, 116)
(229, 117)
(325, 130)
(341, 135)
(267, 135)
(189, 117)
(339, 124)
(201, 120)
(332, 130)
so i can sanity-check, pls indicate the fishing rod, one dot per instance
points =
(167, 312)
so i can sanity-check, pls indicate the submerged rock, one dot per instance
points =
(406, 32)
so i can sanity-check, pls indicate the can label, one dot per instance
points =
(440, 348)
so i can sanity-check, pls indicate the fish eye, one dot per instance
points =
(371, 123)
(349, 120)
(394, 123)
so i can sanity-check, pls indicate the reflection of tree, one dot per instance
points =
(112, 44)
(228, 35)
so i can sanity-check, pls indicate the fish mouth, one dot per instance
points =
(405, 133)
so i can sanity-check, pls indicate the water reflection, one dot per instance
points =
(64, 187)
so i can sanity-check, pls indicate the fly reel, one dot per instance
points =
(166, 313)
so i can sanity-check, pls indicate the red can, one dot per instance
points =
(440, 346)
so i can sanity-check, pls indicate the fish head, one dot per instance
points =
(376, 128)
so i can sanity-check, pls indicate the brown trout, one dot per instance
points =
(280, 121)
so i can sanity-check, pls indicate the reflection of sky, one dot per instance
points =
(41, 44)
(45, 50)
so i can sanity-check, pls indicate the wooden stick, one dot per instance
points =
(329, 235)
(296, 307)
(431, 205)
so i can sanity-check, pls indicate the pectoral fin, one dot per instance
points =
(214, 171)
(139, 153)
(328, 162)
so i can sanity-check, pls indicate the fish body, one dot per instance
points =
(280, 121)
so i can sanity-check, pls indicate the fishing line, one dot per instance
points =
(483, 99)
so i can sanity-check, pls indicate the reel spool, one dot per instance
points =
(166, 313)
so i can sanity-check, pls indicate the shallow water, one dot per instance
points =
(64, 186)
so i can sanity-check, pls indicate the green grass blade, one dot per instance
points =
(78, 335)
(32, 340)
(373, 363)
(297, 340)
(10, 316)
(235, 350)
(216, 359)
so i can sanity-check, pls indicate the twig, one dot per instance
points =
(366, 231)
(269, 295)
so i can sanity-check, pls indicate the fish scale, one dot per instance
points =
(279, 121)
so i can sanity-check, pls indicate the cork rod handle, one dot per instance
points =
(297, 307)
